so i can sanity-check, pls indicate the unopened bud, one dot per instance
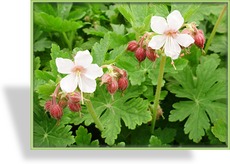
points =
(140, 54)
(112, 87)
(48, 105)
(123, 83)
(132, 46)
(74, 97)
(199, 38)
(151, 54)
(62, 103)
(106, 78)
(74, 107)
(56, 111)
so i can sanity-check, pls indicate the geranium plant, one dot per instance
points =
(141, 75)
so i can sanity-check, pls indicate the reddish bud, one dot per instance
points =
(112, 87)
(151, 54)
(56, 111)
(48, 105)
(74, 107)
(132, 46)
(62, 103)
(123, 83)
(74, 97)
(140, 54)
(199, 38)
(106, 78)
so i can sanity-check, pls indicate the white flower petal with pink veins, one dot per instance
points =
(175, 20)
(157, 42)
(83, 58)
(69, 83)
(158, 24)
(93, 71)
(172, 48)
(86, 84)
(184, 40)
(64, 65)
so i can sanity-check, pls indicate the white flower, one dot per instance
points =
(170, 38)
(80, 72)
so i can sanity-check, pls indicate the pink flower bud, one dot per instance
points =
(74, 97)
(62, 103)
(140, 54)
(199, 38)
(132, 46)
(106, 78)
(74, 107)
(48, 105)
(112, 87)
(151, 54)
(123, 83)
(56, 111)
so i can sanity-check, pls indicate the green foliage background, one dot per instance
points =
(193, 99)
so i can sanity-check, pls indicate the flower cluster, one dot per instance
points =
(57, 104)
(141, 50)
(167, 38)
(115, 79)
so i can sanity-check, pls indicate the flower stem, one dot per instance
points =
(68, 42)
(90, 108)
(158, 92)
(215, 28)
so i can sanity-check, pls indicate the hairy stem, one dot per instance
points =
(90, 109)
(215, 28)
(158, 92)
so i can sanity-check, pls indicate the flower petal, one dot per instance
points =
(184, 39)
(64, 65)
(69, 83)
(157, 41)
(175, 20)
(172, 48)
(158, 24)
(83, 58)
(93, 71)
(86, 84)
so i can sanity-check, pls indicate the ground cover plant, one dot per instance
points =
(129, 75)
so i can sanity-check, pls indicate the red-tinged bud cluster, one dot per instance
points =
(57, 104)
(74, 100)
(141, 50)
(54, 109)
(197, 34)
(115, 79)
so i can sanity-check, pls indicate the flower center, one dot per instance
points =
(170, 33)
(78, 69)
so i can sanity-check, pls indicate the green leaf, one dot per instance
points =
(203, 89)
(219, 44)
(42, 44)
(129, 108)
(220, 130)
(37, 63)
(63, 9)
(99, 50)
(154, 142)
(51, 23)
(46, 131)
(83, 138)
(97, 31)
(166, 135)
